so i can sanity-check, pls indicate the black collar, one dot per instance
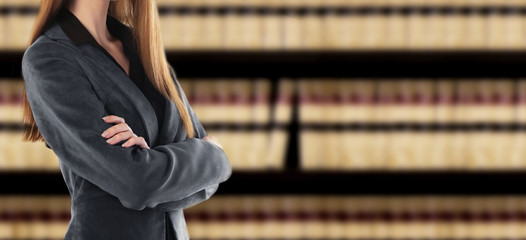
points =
(74, 29)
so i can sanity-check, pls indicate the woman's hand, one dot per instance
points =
(213, 140)
(120, 132)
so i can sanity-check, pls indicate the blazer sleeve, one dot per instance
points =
(68, 113)
(203, 194)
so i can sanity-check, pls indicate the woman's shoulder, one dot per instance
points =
(50, 43)
(45, 49)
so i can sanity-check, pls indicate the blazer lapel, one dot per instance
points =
(118, 80)
(122, 82)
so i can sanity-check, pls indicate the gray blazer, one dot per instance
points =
(117, 193)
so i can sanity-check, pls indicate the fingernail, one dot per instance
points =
(109, 140)
(104, 118)
(104, 134)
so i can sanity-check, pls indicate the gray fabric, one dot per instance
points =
(117, 193)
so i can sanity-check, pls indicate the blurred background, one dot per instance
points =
(343, 119)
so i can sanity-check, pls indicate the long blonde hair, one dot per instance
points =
(142, 17)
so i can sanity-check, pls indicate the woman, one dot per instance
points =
(102, 96)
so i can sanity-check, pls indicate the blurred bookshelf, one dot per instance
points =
(363, 119)
(304, 217)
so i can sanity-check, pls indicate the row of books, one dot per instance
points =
(412, 150)
(339, 2)
(330, 150)
(273, 3)
(311, 31)
(302, 217)
(336, 101)
(240, 100)
(325, 100)
(343, 31)
(246, 149)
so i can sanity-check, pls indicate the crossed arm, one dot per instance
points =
(68, 113)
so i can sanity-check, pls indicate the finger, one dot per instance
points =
(132, 141)
(121, 127)
(120, 137)
(113, 119)
(143, 144)
(135, 141)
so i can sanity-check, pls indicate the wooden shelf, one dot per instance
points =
(336, 63)
(317, 182)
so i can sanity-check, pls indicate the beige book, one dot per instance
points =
(435, 30)
(283, 108)
(515, 147)
(334, 30)
(500, 149)
(477, 31)
(202, 98)
(445, 106)
(396, 30)
(483, 102)
(5, 94)
(191, 24)
(58, 205)
(342, 97)
(236, 146)
(438, 154)
(424, 106)
(514, 30)
(386, 107)
(321, 104)
(309, 150)
(168, 30)
(356, 151)
(456, 150)
(260, 110)
(377, 143)
(362, 108)
(479, 2)
(402, 109)
(4, 29)
(332, 107)
(424, 142)
(520, 110)
(315, 227)
(204, 228)
(331, 149)
(455, 25)
(504, 109)
(374, 30)
(292, 34)
(223, 93)
(478, 147)
(272, 30)
(233, 30)
(312, 36)
(497, 30)
(251, 30)
(233, 227)
(399, 150)
(13, 152)
(171, 25)
(354, 24)
(240, 93)
(213, 32)
(19, 25)
(466, 108)
(417, 30)
(306, 108)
